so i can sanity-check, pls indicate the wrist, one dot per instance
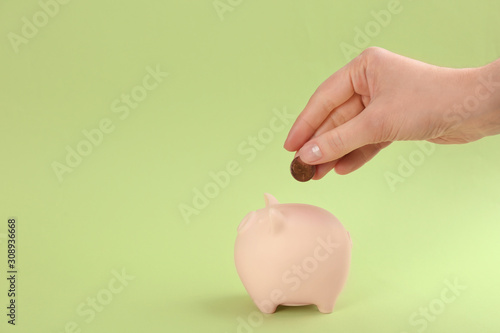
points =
(488, 88)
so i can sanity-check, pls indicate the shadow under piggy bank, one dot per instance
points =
(234, 306)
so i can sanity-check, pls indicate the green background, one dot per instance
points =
(119, 209)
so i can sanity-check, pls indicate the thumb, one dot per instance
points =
(334, 144)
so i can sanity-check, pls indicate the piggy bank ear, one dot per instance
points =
(276, 220)
(270, 200)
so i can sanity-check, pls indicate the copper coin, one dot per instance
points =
(301, 171)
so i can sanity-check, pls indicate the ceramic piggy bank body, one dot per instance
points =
(292, 254)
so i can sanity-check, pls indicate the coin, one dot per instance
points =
(301, 171)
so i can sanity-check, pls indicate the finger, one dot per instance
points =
(340, 141)
(333, 92)
(357, 158)
(340, 115)
(323, 169)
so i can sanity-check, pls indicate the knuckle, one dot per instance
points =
(337, 119)
(374, 56)
(378, 128)
(307, 122)
(372, 51)
(377, 147)
(335, 142)
(365, 157)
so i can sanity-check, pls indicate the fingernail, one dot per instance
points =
(310, 153)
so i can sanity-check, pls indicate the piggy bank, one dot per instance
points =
(292, 254)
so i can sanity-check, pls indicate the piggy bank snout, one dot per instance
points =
(247, 220)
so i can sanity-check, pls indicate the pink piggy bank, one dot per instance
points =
(292, 254)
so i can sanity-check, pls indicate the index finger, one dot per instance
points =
(333, 92)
